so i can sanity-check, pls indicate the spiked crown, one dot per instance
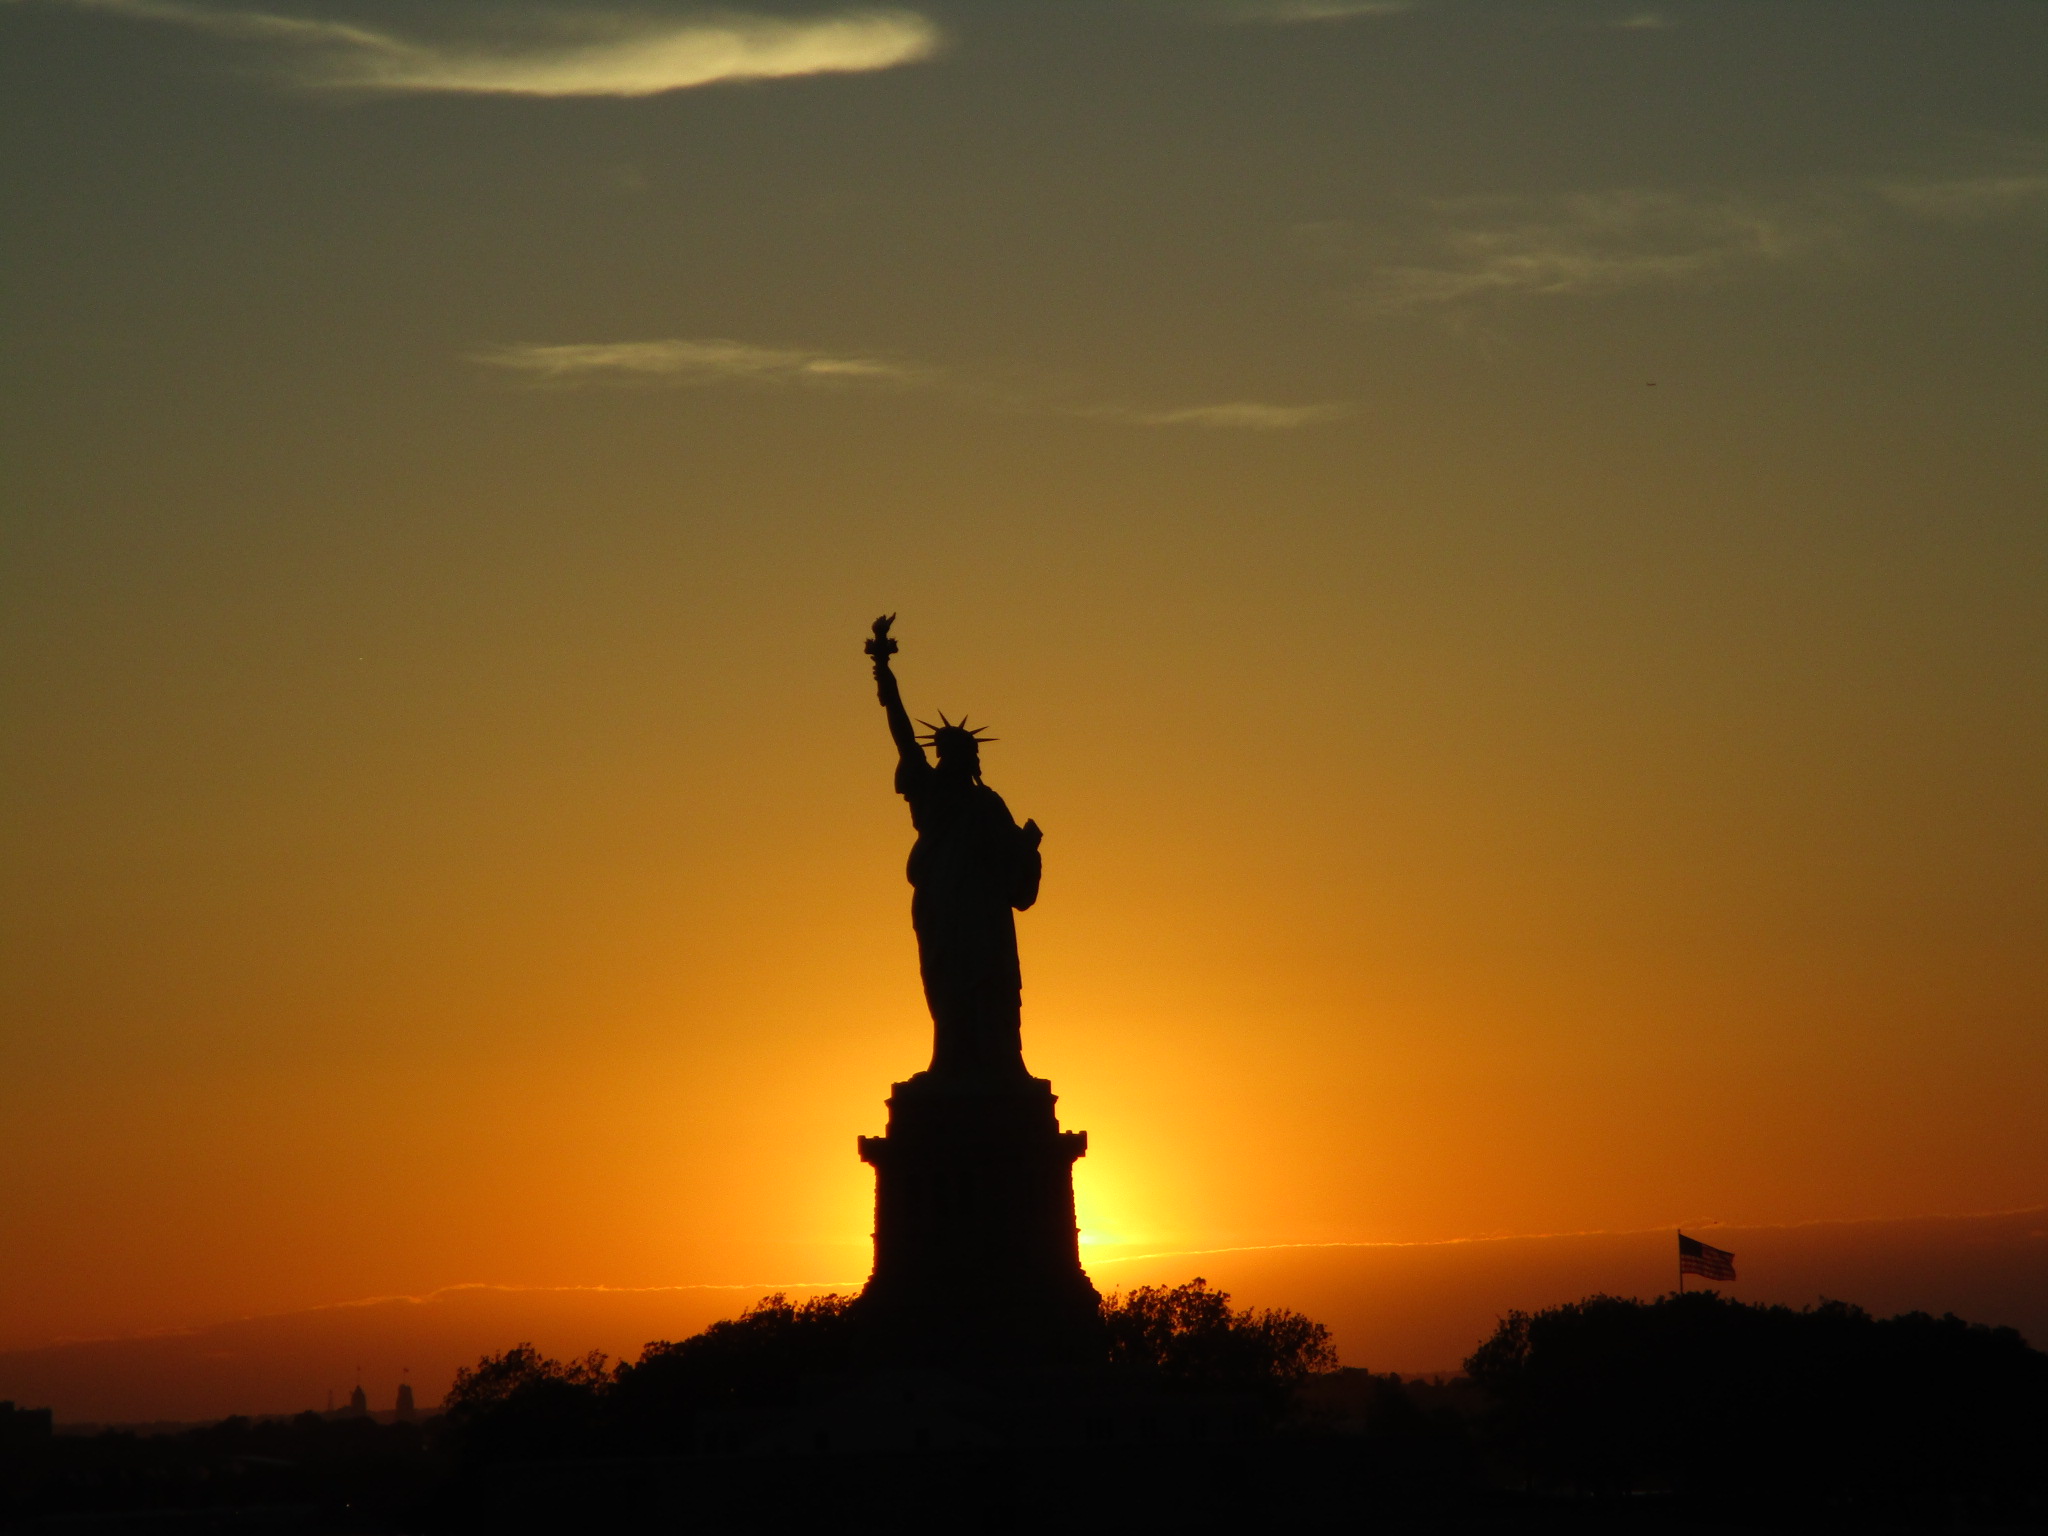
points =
(950, 735)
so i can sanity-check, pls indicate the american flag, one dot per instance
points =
(1696, 1258)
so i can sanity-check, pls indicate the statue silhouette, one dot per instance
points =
(976, 1256)
(971, 868)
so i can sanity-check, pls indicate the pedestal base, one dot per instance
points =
(977, 1263)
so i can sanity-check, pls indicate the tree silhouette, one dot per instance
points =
(777, 1353)
(768, 1354)
(522, 1404)
(1189, 1337)
(1708, 1397)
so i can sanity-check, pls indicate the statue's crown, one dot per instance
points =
(953, 732)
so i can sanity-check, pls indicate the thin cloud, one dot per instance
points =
(1696, 1222)
(2006, 177)
(1238, 415)
(720, 361)
(251, 26)
(561, 52)
(1294, 13)
(696, 362)
(1970, 198)
(1476, 249)
(1461, 254)
(1096, 1261)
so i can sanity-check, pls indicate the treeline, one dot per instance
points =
(330, 1473)
(780, 1354)
(1669, 1415)
(1710, 1399)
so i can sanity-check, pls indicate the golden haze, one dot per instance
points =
(1584, 779)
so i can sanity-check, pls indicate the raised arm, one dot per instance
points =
(901, 731)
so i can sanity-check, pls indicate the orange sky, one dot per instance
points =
(1413, 1308)
(1503, 545)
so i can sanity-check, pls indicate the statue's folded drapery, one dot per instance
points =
(971, 867)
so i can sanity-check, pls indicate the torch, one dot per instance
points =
(882, 647)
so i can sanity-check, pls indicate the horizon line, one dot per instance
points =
(769, 1287)
(1534, 1237)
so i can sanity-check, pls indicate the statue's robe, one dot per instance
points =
(971, 867)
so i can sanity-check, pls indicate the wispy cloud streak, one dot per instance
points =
(1967, 199)
(1585, 243)
(685, 363)
(251, 26)
(697, 362)
(1294, 13)
(1487, 1238)
(560, 52)
(1463, 253)
(1240, 415)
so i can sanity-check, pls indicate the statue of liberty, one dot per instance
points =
(971, 868)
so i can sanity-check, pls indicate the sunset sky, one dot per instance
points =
(1504, 543)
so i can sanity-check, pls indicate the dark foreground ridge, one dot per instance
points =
(1688, 1413)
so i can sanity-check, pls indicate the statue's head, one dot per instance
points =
(957, 745)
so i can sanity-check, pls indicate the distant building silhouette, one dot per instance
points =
(358, 1403)
(405, 1411)
(976, 1253)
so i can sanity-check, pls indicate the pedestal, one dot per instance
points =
(977, 1263)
